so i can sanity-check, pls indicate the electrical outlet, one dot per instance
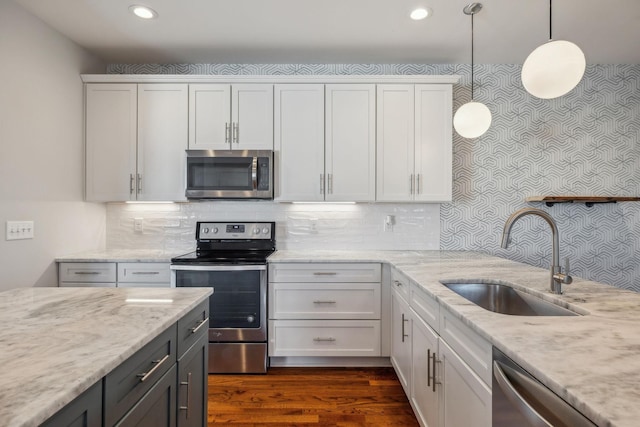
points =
(389, 221)
(138, 225)
(19, 230)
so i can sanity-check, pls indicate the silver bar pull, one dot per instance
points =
(428, 367)
(145, 273)
(324, 273)
(435, 360)
(254, 173)
(321, 183)
(411, 184)
(188, 384)
(323, 339)
(145, 375)
(418, 184)
(195, 329)
(227, 133)
(403, 331)
(131, 180)
(236, 133)
(139, 183)
(397, 283)
(85, 273)
(324, 302)
(330, 183)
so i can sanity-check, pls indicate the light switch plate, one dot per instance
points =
(19, 230)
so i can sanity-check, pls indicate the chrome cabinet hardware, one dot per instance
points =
(321, 183)
(428, 367)
(131, 180)
(145, 273)
(435, 360)
(236, 133)
(397, 283)
(324, 273)
(403, 330)
(411, 184)
(227, 133)
(84, 273)
(418, 184)
(195, 329)
(321, 339)
(330, 183)
(145, 375)
(324, 302)
(188, 384)
(139, 183)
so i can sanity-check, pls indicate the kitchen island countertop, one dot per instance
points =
(57, 342)
(592, 360)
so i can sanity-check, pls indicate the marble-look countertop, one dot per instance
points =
(57, 342)
(592, 361)
(121, 255)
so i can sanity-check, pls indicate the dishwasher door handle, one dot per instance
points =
(516, 398)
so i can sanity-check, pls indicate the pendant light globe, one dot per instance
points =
(553, 69)
(472, 120)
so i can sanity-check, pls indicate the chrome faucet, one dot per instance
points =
(557, 276)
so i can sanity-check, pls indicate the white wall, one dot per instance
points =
(41, 149)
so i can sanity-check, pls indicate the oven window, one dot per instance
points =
(236, 298)
(220, 173)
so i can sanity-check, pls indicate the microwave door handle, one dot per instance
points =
(254, 173)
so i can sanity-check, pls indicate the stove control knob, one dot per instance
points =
(256, 230)
(265, 230)
(205, 230)
(215, 230)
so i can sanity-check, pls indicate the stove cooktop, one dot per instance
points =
(223, 257)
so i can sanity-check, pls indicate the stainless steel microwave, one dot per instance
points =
(229, 174)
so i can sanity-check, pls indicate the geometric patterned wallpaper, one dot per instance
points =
(584, 143)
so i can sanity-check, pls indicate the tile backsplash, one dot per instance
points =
(171, 226)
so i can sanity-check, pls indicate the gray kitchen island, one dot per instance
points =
(102, 354)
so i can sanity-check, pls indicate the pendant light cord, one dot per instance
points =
(472, 55)
(550, 13)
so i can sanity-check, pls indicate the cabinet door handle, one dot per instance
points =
(428, 368)
(195, 329)
(227, 133)
(411, 184)
(324, 302)
(435, 360)
(145, 272)
(145, 375)
(321, 339)
(188, 384)
(321, 183)
(418, 184)
(139, 183)
(398, 283)
(236, 133)
(131, 179)
(330, 183)
(403, 322)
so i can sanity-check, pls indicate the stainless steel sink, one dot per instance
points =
(506, 300)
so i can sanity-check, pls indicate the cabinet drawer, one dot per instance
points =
(192, 326)
(325, 272)
(125, 385)
(324, 301)
(144, 272)
(471, 347)
(400, 283)
(324, 338)
(87, 272)
(425, 306)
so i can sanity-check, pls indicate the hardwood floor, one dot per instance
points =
(310, 396)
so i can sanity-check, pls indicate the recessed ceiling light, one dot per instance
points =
(420, 13)
(143, 12)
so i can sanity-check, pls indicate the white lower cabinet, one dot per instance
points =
(445, 387)
(114, 274)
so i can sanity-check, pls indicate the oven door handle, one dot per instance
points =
(218, 267)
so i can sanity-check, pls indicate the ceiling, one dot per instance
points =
(342, 31)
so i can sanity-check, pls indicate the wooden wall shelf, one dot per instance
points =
(589, 201)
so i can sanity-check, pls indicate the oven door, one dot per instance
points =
(237, 308)
(214, 174)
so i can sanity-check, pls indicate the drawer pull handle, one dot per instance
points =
(145, 375)
(188, 384)
(146, 272)
(87, 272)
(404, 335)
(321, 339)
(397, 283)
(325, 273)
(197, 328)
(324, 302)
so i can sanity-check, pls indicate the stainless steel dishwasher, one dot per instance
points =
(521, 400)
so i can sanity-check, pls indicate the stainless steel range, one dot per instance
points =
(231, 258)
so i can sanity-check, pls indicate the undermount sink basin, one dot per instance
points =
(506, 300)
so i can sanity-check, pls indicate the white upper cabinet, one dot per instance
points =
(414, 143)
(224, 116)
(350, 145)
(111, 129)
(299, 142)
(135, 141)
(162, 141)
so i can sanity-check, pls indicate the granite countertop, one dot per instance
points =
(57, 342)
(121, 255)
(592, 361)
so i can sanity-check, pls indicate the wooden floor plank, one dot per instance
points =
(310, 396)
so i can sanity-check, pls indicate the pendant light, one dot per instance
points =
(553, 69)
(473, 118)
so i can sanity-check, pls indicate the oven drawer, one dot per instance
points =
(125, 385)
(192, 326)
(324, 338)
(87, 272)
(324, 301)
(325, 272)
(143, 272)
